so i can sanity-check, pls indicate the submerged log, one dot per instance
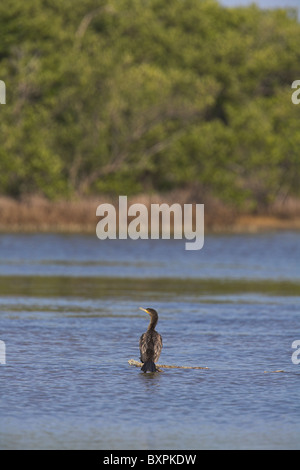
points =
(133, 362)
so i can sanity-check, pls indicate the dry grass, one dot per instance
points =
(38, 214)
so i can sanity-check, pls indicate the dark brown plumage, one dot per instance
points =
(150, 343)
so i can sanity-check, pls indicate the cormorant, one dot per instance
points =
(150, 343)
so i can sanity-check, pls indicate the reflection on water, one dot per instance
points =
(272, 256)
(70, 320)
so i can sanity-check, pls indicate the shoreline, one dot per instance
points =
(38, 215)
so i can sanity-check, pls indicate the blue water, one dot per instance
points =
(70, 321)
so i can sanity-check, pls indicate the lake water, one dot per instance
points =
(70, 320)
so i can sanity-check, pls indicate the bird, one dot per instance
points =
(150, 343)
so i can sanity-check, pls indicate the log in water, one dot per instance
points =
(133, 362)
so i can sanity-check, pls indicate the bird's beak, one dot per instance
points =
(141, 308)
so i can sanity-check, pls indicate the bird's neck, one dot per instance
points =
(153, 323)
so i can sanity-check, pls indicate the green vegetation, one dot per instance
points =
(126, 96)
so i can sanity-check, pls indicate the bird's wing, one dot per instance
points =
(143, 346)
(157, 347)
(141, 340)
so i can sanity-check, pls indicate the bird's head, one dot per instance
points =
(150, 311)
(153, 316)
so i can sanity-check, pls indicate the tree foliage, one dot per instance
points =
(123, 96)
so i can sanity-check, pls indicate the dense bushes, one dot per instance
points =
(128, 95)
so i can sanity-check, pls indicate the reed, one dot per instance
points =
(38, 214)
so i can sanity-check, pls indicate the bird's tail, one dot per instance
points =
(149, 366)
